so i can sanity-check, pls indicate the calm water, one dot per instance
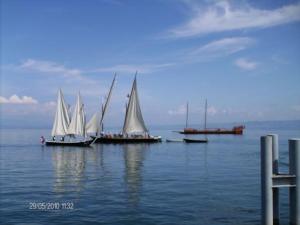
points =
(167, 183)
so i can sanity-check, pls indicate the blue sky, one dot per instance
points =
(243, 56)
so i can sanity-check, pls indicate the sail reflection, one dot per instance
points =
(69, 164)
(134, 155)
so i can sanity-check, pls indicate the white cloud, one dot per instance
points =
(212, 111)
(128, 68)
(181, 110)
(15, 99)
(223, 16)
(49, 67)
(225, 46)
(245, 64)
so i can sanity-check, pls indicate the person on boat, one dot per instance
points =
(53, 138)
(42, 139)
(62, 138)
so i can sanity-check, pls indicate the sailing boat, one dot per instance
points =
(62, 125)
(134, 128)
(237, 130)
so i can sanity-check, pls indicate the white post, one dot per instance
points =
(266, 180)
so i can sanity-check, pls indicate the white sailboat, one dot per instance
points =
(62, 125)
(134, 128)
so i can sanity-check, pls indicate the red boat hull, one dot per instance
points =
(235, 130)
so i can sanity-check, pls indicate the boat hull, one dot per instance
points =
(65, 143)
(187, 140)
(235, 131)
(124, 140)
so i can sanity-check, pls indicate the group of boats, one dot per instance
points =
(75, 131)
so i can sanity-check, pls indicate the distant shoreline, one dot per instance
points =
(171, 126)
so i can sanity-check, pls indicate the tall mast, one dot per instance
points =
(187, 115)
(205, 114)
(107, 100)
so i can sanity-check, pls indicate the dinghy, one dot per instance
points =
(63, 128)
(188, 140)
(174, 140)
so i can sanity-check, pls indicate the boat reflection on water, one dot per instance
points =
(69, 165)
(134, 155)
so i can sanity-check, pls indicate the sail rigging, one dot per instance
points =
(62, 120)
(96, 122)
(134, 122)
(77, 125)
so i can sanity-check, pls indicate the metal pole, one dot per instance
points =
(294, 158)
(205, 114)
(266, 180)
(275, 159)
(187, 115)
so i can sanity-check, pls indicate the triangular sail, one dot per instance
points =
(77, 125)
(93, 125)
(107, 101)
(134, 122)
(96, 122)
(62, 120)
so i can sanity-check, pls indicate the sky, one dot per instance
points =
(242, 56)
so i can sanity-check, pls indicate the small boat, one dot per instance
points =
(236, 130)
(174, 140)
(188, 140)
(63, 127)
(134, 128)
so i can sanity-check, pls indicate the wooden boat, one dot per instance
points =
(62, 125)
(134, 128)
(237, 130)
(174, 140)
(188, 140)
(124, 140)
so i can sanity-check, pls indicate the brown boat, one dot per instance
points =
(236, 130)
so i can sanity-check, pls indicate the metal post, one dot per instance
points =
(275, 161)
(294, 158)
(266, 180)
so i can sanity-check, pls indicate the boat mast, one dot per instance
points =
(187, 115)
(107, 100)
(205, 114)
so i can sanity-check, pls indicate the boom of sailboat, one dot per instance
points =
(76, 132)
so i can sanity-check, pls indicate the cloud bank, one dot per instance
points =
(223, 16)
(15, 99)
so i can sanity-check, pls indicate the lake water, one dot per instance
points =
(166, 183)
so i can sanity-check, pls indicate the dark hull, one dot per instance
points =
(195, 140)
(123, 140)
(64, 143)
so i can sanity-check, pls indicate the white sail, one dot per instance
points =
(134, 122)
(96, 122)
(93, 126)
(77, 125)
(62, 120)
